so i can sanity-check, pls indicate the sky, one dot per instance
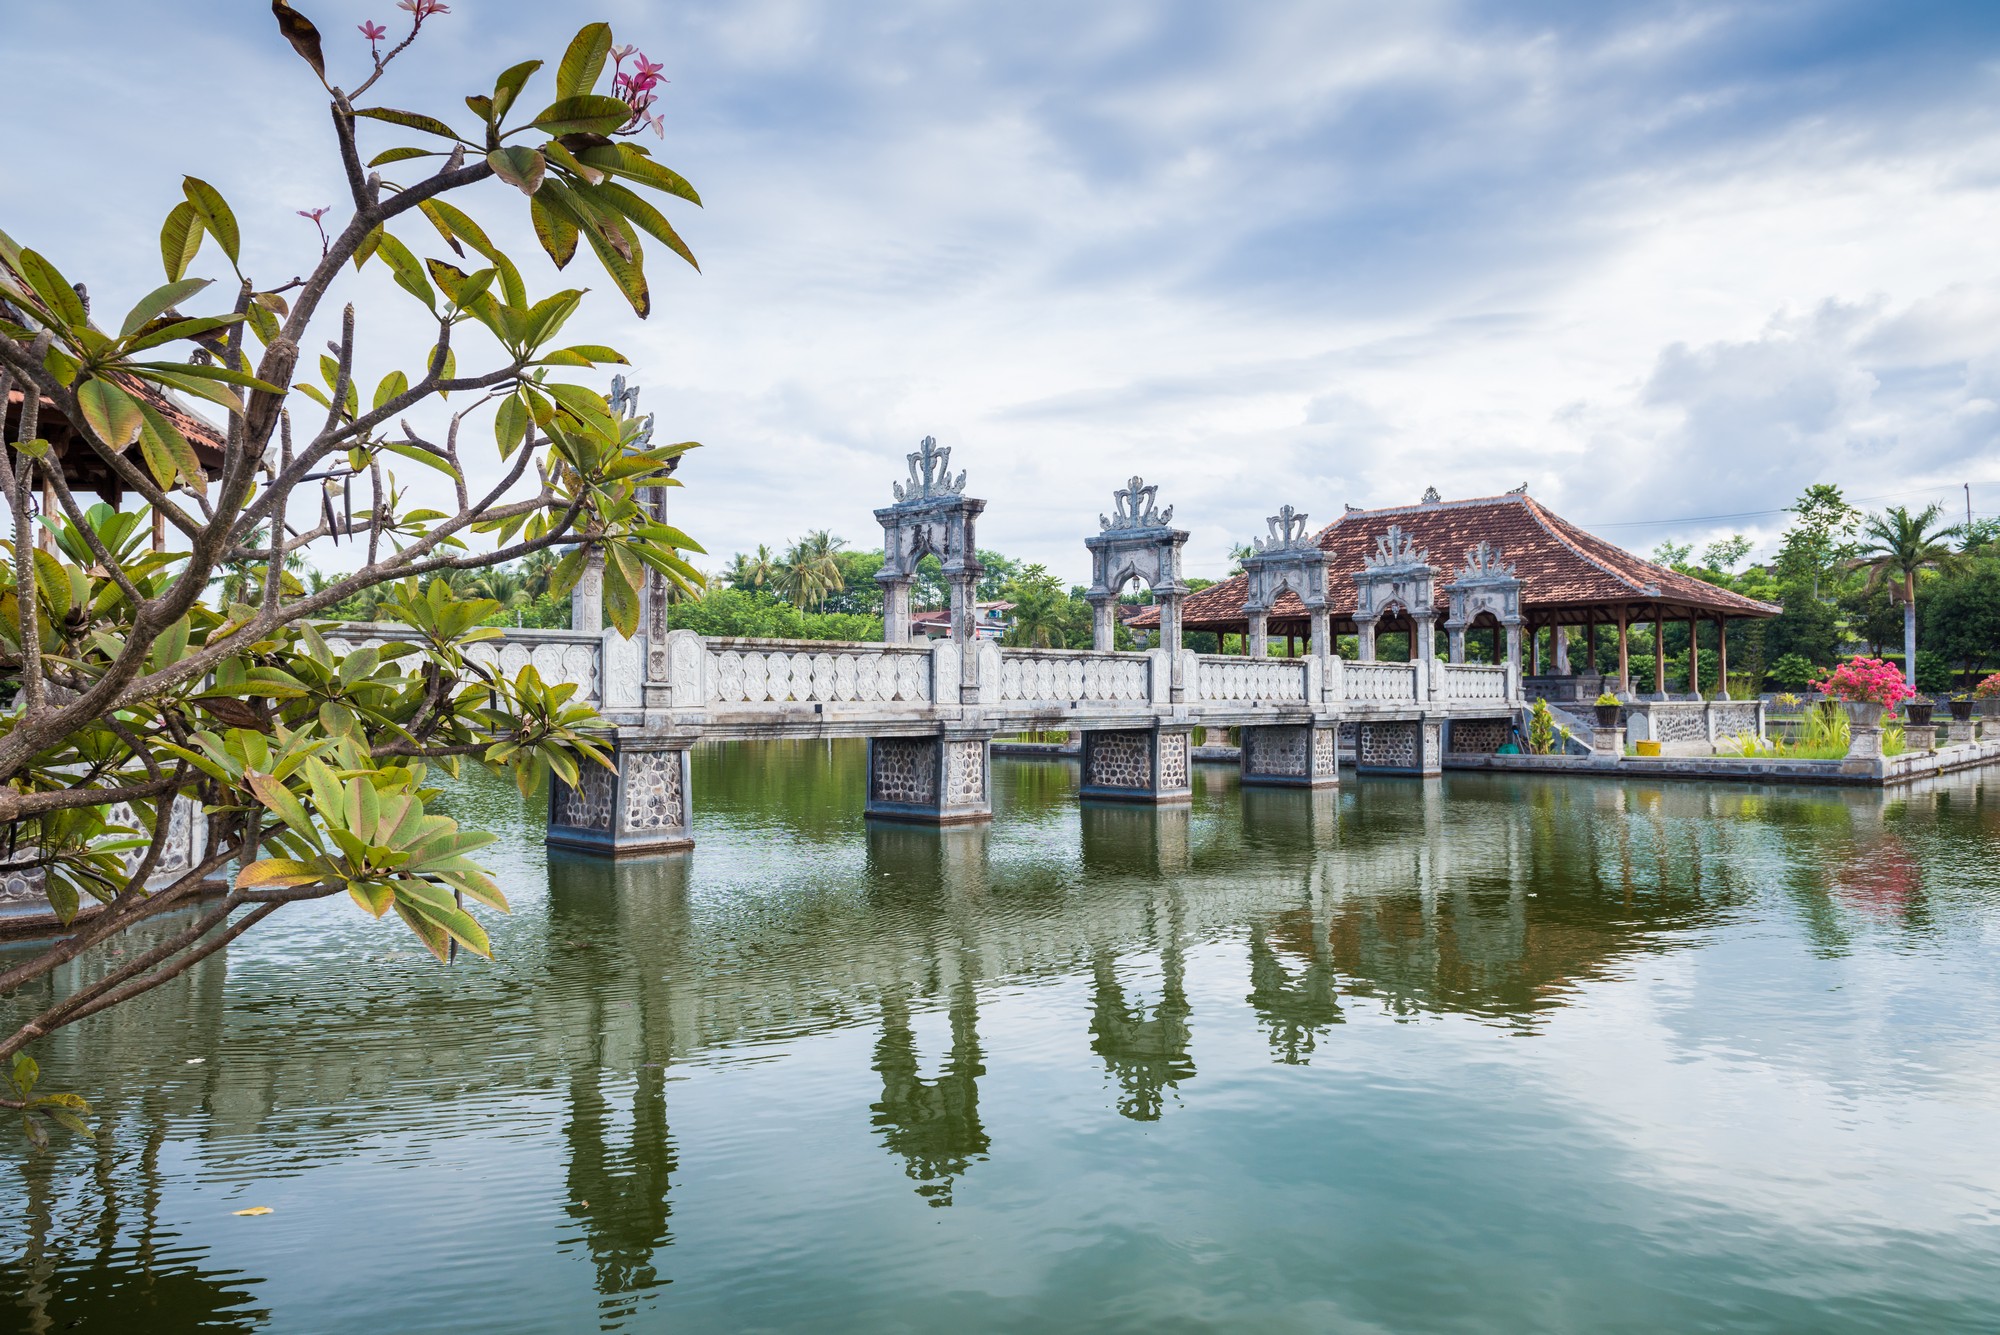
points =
(1666, 263)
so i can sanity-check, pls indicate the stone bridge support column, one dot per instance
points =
(586, 600)
(1302, 755)
(1401, 746)
(645, 807)
(1139, 764)
(942, 779)
(1257, 643)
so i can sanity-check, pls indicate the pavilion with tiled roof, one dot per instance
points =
(1567, 578)
(85, 470)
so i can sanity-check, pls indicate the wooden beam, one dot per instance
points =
(1624, 653)
(1722, 656)
(1659, 651)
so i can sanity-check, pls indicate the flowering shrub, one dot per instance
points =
(1867, 681)
(1988, 689)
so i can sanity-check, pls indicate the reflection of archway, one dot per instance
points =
(1295, 1009)
(618, 1192)
(933, 1124)
(1146, 1053)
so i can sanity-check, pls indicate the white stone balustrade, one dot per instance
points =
(1380, 683)
(1474, 681)
(747, 672)
(1071, 675)
(557, 655)
(1225, 677)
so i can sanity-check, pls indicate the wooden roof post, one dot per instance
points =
(1722, 656)
(1624, 653)
(1659, 651)
(1694, 655)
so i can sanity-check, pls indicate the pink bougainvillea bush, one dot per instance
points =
(1867, 681)
(1988, 689)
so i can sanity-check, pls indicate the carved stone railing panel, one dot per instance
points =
(1468, 681)
(748, 672)
(572, 656)
(1225, 677)
(1392, 683)
(1073, 675)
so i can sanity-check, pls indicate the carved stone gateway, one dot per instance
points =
(1398, 576)
(932, 516)
(642, 808)
(1137, 541)
(1487, 586)
(1287, 559)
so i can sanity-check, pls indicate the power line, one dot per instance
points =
(1785, 510)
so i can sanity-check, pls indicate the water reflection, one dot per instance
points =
(1281, 913)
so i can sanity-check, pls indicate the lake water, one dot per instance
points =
(1474, 1054)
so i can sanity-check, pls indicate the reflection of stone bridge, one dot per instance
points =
(931, 709)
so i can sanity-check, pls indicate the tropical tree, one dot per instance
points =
(811, 570)
(1043, 613)
(507, 588)
(308, 769)
(1898, 547)
(753, 572)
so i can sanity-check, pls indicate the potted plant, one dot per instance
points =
(1607, 710)
(1961, 708)
(1918, 711)
(1866, 688)
(1987, 693)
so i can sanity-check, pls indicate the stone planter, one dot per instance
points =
(1961, 711)
(1990, 708)
(1607, 715)
(1864, 729)
(1919, 713)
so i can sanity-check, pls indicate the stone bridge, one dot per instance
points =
(930, 709)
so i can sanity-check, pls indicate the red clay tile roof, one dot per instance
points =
(1566, 573)
(82, 467)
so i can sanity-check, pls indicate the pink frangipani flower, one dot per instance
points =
(423, 9)
(373, 31)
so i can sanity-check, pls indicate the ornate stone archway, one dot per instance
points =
(1137, 542)
(1486, 585)
(1287, 559)
(932, 516)
(1397, 575)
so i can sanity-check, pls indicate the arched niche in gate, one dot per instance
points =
(932, 516)
(1398, 576)
(1287, 559)
(1137, 542)
(1486, 586)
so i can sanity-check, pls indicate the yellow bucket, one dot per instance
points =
(1649, 748)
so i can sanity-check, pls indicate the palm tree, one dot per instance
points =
(1042, 612)
(811, 570)
(1902, 546)
(536, 570)
(753, 572)
(506, 587)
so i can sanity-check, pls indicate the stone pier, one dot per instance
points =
(1138, 764)
(642, 808)
(1396, 747)
(946, 779)
(1291, 756)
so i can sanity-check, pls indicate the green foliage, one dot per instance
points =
(65, 1110)
(1541, 728)
(756, 613)
(1961, 615)
(1793, 672)
(309, 767)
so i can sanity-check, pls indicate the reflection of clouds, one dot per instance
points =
(1836, 1108)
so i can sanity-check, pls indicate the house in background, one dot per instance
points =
(989, 622)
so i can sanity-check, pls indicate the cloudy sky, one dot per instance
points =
(1666, 263)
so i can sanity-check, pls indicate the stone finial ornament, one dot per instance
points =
(1521, 490)
(930, 474)
(623, 400)
(1288, 532)
(1484, 560)
(1135, 506)
(1396, 549)
(1431, 496)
